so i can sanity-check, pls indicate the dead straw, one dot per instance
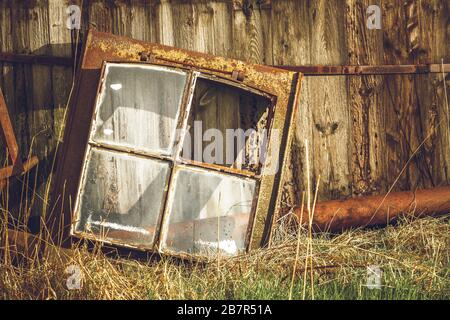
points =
(297, 251)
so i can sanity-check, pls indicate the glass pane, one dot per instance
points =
(139, 107)
(228, 126)
(204, 202)
(121, 196)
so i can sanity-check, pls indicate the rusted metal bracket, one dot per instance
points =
(147, 57)
(368, 70)
(238, 75)
(7, 135)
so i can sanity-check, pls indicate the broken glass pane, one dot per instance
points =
(139, 107)
(228, 126)
(121, 196)
(209, 213)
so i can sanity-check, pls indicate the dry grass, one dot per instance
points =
(414, 257)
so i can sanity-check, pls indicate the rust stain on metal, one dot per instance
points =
(339, 215)
(12, 148)
(118, 48)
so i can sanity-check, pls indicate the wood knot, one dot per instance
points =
(247, 9)
(328, 129)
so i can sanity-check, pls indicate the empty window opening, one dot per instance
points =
(228, 126)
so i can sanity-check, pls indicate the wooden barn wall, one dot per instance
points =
(363, 132)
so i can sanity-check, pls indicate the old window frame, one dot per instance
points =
(281, 86)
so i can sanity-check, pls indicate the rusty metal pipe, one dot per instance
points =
(338, 215)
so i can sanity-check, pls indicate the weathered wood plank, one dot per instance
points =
(61, 46)
(203, 36)
(222, 28)
(365, 94)
(252, 34)
(41, 120)
(164, 23)
(330, 112)
(185, 19)
(22, 78)
(99, 15)
(286, 51)
(433, 46)
(121, 18)
(6, 70)
(141, 24)
(405, 131)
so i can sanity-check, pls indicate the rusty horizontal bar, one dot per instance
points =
(319, 70)
(337, 215)
(8, 136)
(308, 70)
(13, 170)
(35, 59)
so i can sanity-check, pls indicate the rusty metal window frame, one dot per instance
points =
(282, 87)
(175, 160)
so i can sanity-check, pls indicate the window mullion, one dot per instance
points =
(179, 139)
(187, 109)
